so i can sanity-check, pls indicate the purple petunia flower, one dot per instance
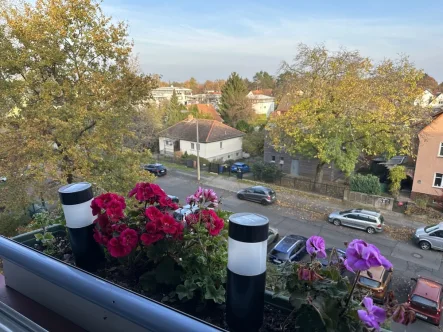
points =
(361, 256)
(315, 246)
(373, 316)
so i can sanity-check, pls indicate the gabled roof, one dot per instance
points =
(207, 109)
(208, 131)
(267, 92)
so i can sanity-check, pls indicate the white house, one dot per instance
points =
(425, 100)
(261, 104)
(437, 101)
(165, 93)
(217, 141)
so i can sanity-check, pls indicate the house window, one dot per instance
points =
(221, 145)
(273, 158)
(282, 158)
(438, 180)
(440, 150)
(192, 146)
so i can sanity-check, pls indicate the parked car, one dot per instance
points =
(175, 199)
(240, 166)
(426, 300)
(263, 195)
(181, 213)
(156, 169)
(272, 235)
(429, 237)
(291, 248)
(377, 281)
(325, 261)
(370, 221)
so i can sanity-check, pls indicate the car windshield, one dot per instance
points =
(346, 211)
(369, 282)
(271, 192)
(423, 302)
(432, 228)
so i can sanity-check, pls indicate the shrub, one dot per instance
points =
(253, 143)
(368, 184)
(268, 172)
(396, 175)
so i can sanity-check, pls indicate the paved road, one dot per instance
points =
(408, 260)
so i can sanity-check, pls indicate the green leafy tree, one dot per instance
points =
(174, 112)
(396, 175)
(263, 80)
(69, 90)
(349, 106)
(253, 143)
(234, 105)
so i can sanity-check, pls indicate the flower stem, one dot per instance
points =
(357, 275)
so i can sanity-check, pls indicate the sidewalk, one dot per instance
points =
(319, 205)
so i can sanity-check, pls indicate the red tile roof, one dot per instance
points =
(207, 109)
(208, 131)
(266, 92)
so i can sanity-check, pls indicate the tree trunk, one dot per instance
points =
(319, 173)
(69, 179)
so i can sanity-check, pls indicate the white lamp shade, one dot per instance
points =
(247, 259)
(78, 215)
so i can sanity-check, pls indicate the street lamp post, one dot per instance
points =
(198, 151)
(246, 278)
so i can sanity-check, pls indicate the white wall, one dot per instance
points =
(231, 149)
(164, 147)
(263, 107)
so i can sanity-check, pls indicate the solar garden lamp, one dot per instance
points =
(246, 277)
(76, 201)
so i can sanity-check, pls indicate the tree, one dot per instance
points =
(440, 87)
(262, 80)
(69, 90)
(396, 175)
(191, 84)
(349, 107)
(428, 83)
(253, 143)
(174, 110)
(234, 105)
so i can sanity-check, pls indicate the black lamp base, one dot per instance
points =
(88, 254)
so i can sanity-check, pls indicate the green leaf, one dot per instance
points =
(38, 236)
(297, 300)
(215, 294)
(48, 236)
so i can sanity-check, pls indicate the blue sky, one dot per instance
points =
(210, 39)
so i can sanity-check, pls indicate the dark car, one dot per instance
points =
(291, 248)
(325, 261)
(156, 169)
(240, 167)
(258, 194)
(426, 300)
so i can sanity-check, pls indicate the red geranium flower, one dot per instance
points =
(167, 202)
(168, 224)
(113, 205)
(100, 238)
(104, 226)
(153, 213)
(114, 210)
(178, 235)
(116, 249)
(118, 227)
(148, 239)
(129, 238)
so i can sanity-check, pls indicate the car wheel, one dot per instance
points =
(370, 230)
(424, 245)
(240, 196)
(336, 222)
(264, 202)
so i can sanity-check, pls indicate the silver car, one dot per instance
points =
(370, 221)
(429, 237)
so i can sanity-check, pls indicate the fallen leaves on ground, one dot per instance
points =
(399, 233)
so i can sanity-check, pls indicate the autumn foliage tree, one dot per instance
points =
(234, 105)
(69, 90)
(349, 107)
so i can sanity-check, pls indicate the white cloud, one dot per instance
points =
(178, 47)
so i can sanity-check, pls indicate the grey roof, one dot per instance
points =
(208, 131)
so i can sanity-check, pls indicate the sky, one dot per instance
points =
(210, 39)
